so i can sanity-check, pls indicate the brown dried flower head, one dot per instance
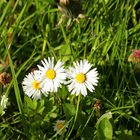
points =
(98, 105)
(5, 78)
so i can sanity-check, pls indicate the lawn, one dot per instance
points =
(69, 70)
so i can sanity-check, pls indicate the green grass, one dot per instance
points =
(29, 32)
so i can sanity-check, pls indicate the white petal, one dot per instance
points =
(89, 86)
(84, 90)
(58, 65)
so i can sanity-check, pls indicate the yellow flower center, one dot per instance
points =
(59, 125)
(81, 78)
(36, 84)
(51, 74)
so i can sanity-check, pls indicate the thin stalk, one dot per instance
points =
(16, 88)
(77, 109)
(92, 112)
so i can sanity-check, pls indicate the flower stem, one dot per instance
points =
(77, 109)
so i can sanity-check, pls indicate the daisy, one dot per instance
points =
(60, 126)
(82, 77)
(53, 76)
(32, 85)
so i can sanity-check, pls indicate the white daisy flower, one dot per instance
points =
(60, 126)
(82, 77)
(32, 85)
(52, 76)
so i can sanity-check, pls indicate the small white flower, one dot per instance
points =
(52, 76)
(82, 77)
(4, 101)
(60, 126)
(3, 104)
(32, 85)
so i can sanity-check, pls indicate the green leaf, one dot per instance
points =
(106, 115)
(69, 110)
(40, 107)
(49, 105)
(2, 135)
(16, 87)
(104, 127)
(65, 52)
(31, 103)
(53, 115)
